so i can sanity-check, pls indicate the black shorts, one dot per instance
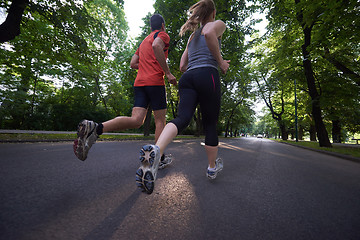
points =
(155, 96)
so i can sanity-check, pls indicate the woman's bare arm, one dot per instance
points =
(212, 32)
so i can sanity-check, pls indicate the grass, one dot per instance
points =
(347, 150)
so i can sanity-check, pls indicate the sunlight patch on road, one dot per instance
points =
(233, 147)
(286, 156)
(173, 205)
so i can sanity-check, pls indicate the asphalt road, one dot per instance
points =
(267, 190)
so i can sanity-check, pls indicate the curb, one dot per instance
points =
(347, 157)
(5, 131)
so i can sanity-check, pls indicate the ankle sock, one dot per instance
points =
(99, 129)
(212, 169)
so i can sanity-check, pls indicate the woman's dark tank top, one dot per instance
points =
(199, 54)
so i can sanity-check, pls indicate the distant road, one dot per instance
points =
(267, 190)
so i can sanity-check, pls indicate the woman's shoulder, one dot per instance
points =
(219, 23)
(218, 26)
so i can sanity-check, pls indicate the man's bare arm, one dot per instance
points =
(134, 63)
(158, 47)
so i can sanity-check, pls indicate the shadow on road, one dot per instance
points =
(107, 228)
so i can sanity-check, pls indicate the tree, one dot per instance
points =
(64, 49)
(10, 28)
(319, 29)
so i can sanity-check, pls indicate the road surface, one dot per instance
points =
(267, 190)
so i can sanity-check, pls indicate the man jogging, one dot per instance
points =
(150, 60)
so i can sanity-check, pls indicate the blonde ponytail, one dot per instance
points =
(198, 12)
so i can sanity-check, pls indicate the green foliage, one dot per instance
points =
(334, 51)
(64, 64)
(71, 61)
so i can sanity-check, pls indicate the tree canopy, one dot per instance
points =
(64, 61)
(306, 44)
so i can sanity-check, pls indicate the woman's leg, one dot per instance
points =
(210, 97)
(186, 109)
(187, 105)
(211, 153)
(167, 135)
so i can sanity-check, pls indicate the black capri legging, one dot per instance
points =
(200, 85)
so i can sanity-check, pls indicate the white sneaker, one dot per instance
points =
(146, 174)
(165, 161)
(219, 165)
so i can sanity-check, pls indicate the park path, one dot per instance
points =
(267, 190)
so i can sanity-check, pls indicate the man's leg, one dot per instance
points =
(160, 122)
(121, 123)
(89, 131)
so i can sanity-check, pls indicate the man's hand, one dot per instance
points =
(134, 63)
(171, 79)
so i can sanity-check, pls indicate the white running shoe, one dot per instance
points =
(219, 165)
(86, 138)
(165, 161)
(146, 174)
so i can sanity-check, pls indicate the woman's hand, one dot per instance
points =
(224, 66)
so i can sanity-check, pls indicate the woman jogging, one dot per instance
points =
(200, 84)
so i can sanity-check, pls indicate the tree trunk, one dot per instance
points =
(321, 131)
(198, 122)
(99, 89)
(33, 97)
(284, 133)
(312, 132)
(336, 131)
(231, 117)
(171, 101)
(10, 28)
(301, 133)
(227, 127)
(147, 122)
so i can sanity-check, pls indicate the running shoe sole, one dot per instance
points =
(146, 174)
(79, 143)
(145, 181)
(84, 130)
